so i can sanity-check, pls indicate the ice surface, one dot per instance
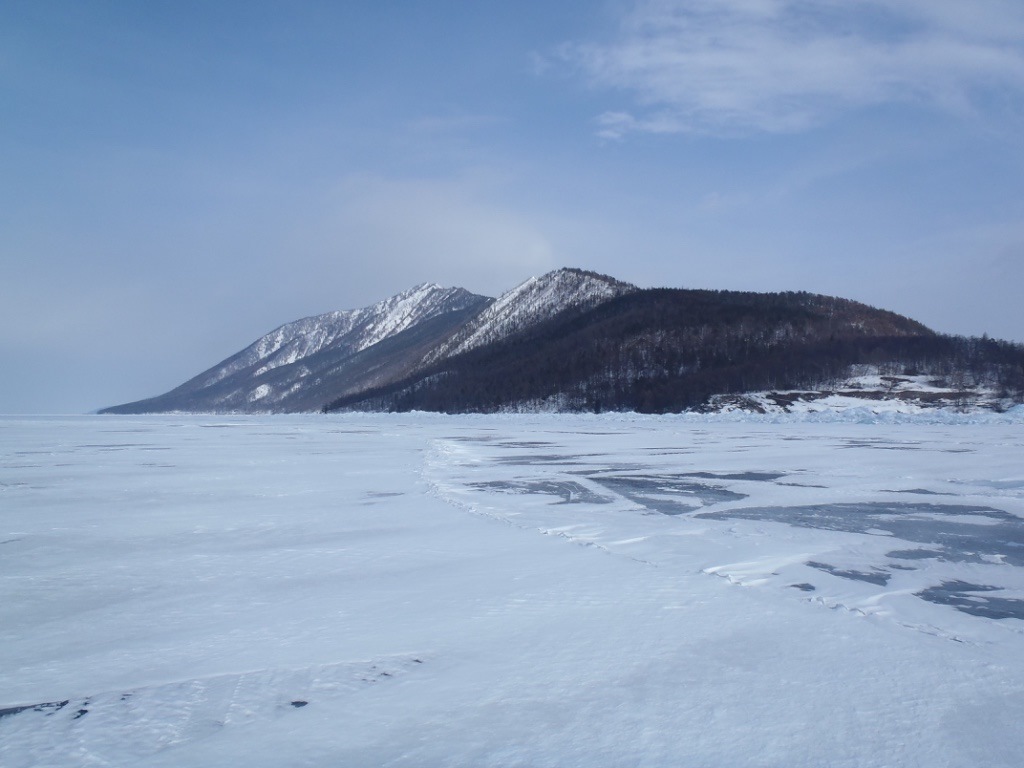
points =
(419, 590)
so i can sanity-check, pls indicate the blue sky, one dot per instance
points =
(178, 178)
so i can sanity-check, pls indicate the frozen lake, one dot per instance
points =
(419, 590)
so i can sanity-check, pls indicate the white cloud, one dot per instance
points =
(786, 65)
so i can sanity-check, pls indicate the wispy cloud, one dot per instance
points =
(786, 65)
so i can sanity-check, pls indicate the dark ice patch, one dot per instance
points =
(918, 492)
(963, 596)
(754, 476)
(871, 577)
(668, 494)
(921, 523)
(916, 554)
(569, 491)
(533, 459)
(606, 468)
(48, 708)
(880, 444)
(935, 554)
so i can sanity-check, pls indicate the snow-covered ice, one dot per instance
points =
(422, 590)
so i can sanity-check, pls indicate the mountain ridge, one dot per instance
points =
(533, 301)
(240, 382)
(578, 340)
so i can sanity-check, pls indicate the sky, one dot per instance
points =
(178, 178)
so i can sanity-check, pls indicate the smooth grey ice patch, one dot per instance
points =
(918, 492)
(996, 532)
(871, 577)
(881, 444)
(667, 494)
(569, 491)
(933, 554)
(916, 554)
(754, 476)
(606, 468)
(528, 460)
(964, 597)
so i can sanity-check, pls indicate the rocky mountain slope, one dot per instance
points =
(294, 367)
(533, 302)
(304, 364)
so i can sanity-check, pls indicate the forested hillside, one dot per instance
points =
(670, 350)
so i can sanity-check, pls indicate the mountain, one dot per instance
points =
(304, 364)
(301, 364)
(667, 350)
(577, 340)
(533, 302)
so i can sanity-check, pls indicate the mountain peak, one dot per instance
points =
(533, 301)
(575, 273)
(403, 310)
(422, 289)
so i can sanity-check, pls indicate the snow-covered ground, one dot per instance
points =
(871, 395)
(421, 590)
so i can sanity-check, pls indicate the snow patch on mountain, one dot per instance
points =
(259, 393)
(354, 329)
(532, 302)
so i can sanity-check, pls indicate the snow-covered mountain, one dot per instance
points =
(352, 330)
(577, 340)
(286, 369)
(306, 363)
(532, 302)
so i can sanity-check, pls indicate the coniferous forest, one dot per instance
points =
(664, 350)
